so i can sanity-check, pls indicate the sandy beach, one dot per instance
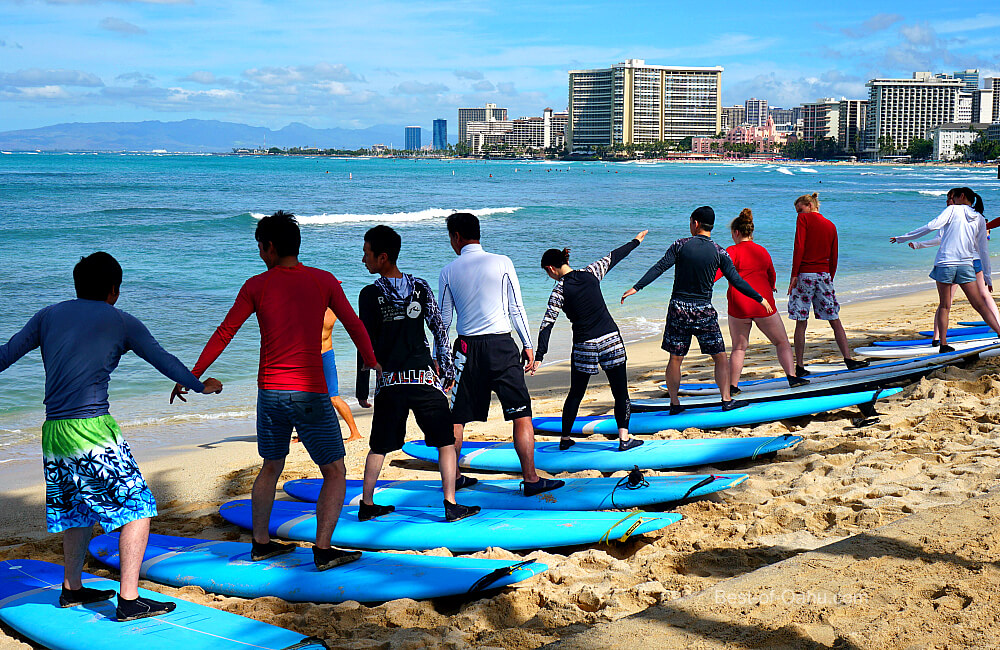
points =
(876, 537)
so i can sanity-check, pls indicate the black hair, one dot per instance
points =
(555, 257)
(465, 225)
(705, 216)
(282, 230)
(383, 239)
(96, 276)
(974, 199)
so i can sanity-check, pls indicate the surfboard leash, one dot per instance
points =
(700, 484)
(633, 481)
(605, 538)
(756, 452)
(496, 574)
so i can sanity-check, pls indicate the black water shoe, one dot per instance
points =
(734, 390)
(327, 558)
(541, 485)
(260, 552)
(465, 481)
(734, 404)
(631, 443)
(366, 512)
(83, 596)
(130, 610)
(456, 511)
(800, 371)
(945, 348)
(796, 381)
(854, 364)
(566, 443)
(676, 409)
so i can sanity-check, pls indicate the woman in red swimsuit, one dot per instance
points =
(755, 266)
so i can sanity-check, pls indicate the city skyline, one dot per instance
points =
(409, 63)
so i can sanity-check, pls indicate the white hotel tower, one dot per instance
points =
(904, 109)
(632, 102)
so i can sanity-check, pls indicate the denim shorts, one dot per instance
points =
(954, 274)
(310, 414)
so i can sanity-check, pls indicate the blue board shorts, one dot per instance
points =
(330, 372)
(961, 274)
(91, 476)
(310, 414)
(687, 319)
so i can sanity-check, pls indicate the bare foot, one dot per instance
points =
(354, 436)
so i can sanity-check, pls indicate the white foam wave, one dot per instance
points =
(389, 217)
(786, 170)
(808, 170)
(933, 192)
(193, 417)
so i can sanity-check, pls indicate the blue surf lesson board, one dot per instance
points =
(604, 456)
(926, 342)
(577, 494)
(29, 603)
(981, 328)
(779, 392)
(972, 323)
(910, 351)
(713, 417)
(944, 358)
(225, 568)
(416, 529)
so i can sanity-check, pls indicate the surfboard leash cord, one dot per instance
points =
(605, 538)
(496, 574)
(634, 480)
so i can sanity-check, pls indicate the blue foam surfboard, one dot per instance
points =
(421, 529)
(225, 568)
(981, 328)
(972, 323)
(779, 392)
(577, 494)
(29, 603)
(966, 352)
(714, 417)
(605, 457)
(899, 343)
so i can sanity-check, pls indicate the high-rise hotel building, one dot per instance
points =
(903, 109)
(488, 113)
(635, 103)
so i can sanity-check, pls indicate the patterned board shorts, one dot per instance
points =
(815, 289)
(91, 477)
(606, 351)
(687, 319)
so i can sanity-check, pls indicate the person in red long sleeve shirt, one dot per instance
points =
(814, 265)
(290, 300)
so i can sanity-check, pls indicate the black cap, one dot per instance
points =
(704, 215)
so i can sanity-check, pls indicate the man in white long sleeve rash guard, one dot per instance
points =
(482, 288)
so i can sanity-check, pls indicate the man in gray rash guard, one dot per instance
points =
(482, 288)
(690, 311)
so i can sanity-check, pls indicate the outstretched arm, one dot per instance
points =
(147, 348)
(736, 280)
(224, 333)
(21, 343)
(601, 267)
(552, 310)
(655, 271)
(936, 224)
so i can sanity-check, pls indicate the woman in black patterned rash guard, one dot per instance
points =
(597, 343)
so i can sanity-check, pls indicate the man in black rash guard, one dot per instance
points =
(596, 339)
(394, 310)
(690, 311)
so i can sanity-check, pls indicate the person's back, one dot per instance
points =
(476, 283)
(398, 337)
(959, 236)
(815, 245)
(754, 265)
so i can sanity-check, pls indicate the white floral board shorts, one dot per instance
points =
(815, 289)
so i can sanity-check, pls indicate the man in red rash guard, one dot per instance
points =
(814, 264)
(290, 301)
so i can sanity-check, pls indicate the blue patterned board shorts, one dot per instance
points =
(687, 319)
(310, 414)
(815, 289)
(606, 351)
(91, 476)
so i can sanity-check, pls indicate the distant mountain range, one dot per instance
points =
(199, 136)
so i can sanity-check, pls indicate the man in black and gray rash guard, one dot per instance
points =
(690, 311)
(483, 289)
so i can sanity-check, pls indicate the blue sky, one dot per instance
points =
(353, 65)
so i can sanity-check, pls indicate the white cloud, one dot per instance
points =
(418, 88)
(120, 26)
(283, 76)
(876, 23)
(474, 75)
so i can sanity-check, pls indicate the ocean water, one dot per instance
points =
(182, 228)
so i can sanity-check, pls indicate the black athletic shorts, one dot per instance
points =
(392, 406)
(485, 364)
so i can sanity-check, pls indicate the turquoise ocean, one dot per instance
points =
(182, 228)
